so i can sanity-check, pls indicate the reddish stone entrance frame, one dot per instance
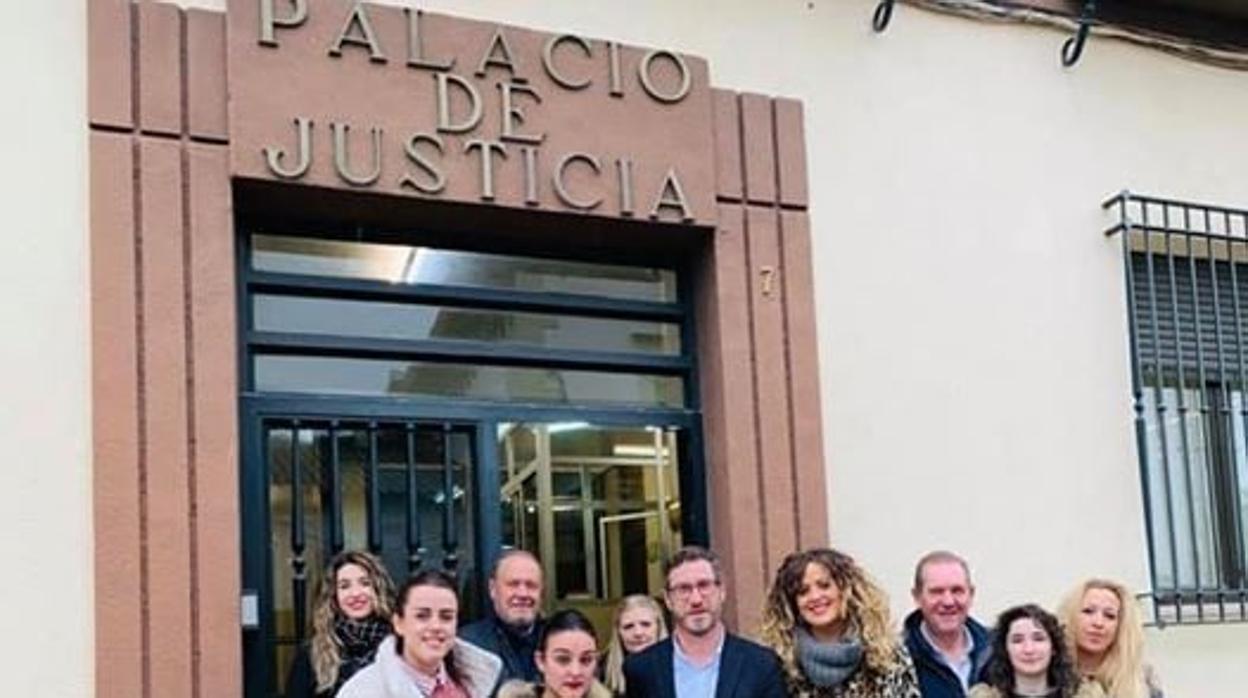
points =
(164, 344)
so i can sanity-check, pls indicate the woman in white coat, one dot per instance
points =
(424, 658)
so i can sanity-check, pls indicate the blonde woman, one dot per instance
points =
(350, 619)
(638, 623)
(1105, 634)
(830, 625)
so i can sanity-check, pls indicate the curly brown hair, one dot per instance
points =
(999, 673)
(864, 604)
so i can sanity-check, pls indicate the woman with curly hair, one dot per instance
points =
(1029, 660)
(1106, 638)
(829, 623)
(349, 620)
(637, 624)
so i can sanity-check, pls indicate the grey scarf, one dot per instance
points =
(827, 664)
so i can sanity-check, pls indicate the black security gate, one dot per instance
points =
(401, 488)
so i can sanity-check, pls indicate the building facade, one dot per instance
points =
(442, 277)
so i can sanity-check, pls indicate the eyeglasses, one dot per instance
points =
(685, 590)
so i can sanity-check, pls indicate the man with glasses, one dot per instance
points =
(701, 659)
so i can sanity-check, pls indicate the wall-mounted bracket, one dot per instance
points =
(883, 14)
(1072, 48)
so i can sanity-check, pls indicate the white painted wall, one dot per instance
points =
(45, 480)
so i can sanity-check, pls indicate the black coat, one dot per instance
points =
(936, 679)
(746, 670)
(301, 681)
(516, 651)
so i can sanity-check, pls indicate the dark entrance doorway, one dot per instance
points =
(435, 406)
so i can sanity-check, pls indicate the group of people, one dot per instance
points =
(826, 633)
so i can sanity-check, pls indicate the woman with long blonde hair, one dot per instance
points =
(830, 625)
(1105, 633)
(350, 618)
(636, 624)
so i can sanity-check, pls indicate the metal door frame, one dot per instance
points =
(483, 419)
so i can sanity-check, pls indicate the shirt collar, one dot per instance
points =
(424, 682)
(967, 638)
(680, 654)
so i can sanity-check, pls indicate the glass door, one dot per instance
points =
(598, 504)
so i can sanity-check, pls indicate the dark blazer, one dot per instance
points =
(746, 670)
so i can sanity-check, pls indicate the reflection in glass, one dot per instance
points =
(599, 505)
(306, 374)
(273, 313)
(403, 264)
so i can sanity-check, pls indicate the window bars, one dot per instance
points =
(1186, 273)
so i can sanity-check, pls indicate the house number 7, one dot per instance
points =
(768, 274)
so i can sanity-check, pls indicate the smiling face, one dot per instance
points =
(819, 600)
(427, 623)
(944, 599)
(568, 663)
(516, 590)
(638, 629)
(695, 597)
(354, 592)
(1030, 648)
(1097, 625)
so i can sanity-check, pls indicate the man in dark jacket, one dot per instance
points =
(949, 647)
(701, 659)
(511, 631)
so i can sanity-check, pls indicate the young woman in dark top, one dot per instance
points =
(350, 619)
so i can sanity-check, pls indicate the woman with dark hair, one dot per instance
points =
(424, 658)
(350, 618)
(1030, 660)
(567, 657)
(829, 623)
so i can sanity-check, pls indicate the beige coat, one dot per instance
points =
(386, 677)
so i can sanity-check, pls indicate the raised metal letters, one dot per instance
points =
(365, 36)
(561, 189)
(671, 195)
(529, 154)
(512, 115)
(273, 156)
(624, 168)
(416, 45)
(269, 19)
(444, 82)
(498, 44)
(342, 161)
(548, 61)
(613, 56)
(438, 182)
(487, 149)
(643, 72)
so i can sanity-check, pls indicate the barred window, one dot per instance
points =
(1187, 295)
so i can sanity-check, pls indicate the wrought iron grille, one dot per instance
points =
(1186, 273)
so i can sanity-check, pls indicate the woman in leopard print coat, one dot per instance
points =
(829, 623)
